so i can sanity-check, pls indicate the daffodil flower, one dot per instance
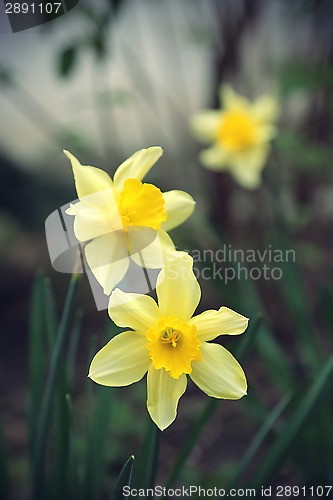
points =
(240, 133)
(169, 343)
(124, 217)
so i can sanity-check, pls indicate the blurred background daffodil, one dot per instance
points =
(239, 133)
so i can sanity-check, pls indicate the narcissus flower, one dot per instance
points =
(125, 217)
(239, 133)
(169, 343)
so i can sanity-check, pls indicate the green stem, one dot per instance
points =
(153, 455)
(191, 439)
(45, 416)
(73, 479)
(145, 473)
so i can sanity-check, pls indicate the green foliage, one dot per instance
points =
(305, 76)
(303, 154)
(67, 60)
(6, 76)
(54, 383)
(36, 357)
(124, 479)
(209, 409)
(95, 38)
(4, 480)
(300, 419)
(295, 425)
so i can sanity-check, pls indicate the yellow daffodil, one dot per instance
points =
(125, 217)
(239, 133)
(169, 343)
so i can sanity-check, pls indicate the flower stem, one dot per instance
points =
(148, 462)
(153, 455)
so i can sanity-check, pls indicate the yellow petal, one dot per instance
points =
(163, 396)
(133, 310)
(266, 109)
(107, 257)
(246, 166)
(177, 289)
(88, 179)
(204, 125)
(92, 220)
(218, 374)
(179, 205)
(210, 324)
(151, 249)
(136, 166)
(231, 100)
(248, 179)
(123, 361)
(214, 158)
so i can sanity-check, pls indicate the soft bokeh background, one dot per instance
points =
(111, 77)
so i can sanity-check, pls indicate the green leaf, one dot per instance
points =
(267, 426)
(115, 5)
(72, 463)
(114, 96)
(98, 43)
(318, 436)
(72, 347)
(75, 139)
(298, 75)
(99, 434)
(325, 306)
(304, 154)
(292, 289)
(51, 318)
(60, 441)
(6, 76)
(99, 403)
(4, 481)
(148, 459)
(124, 479)
(88, 479)
(67, 60)
(36, 357)
(46, 410)
(280, 448)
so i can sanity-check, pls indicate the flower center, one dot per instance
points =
(237, 130)
(141, 205)
(173, 345)
(170, 336)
